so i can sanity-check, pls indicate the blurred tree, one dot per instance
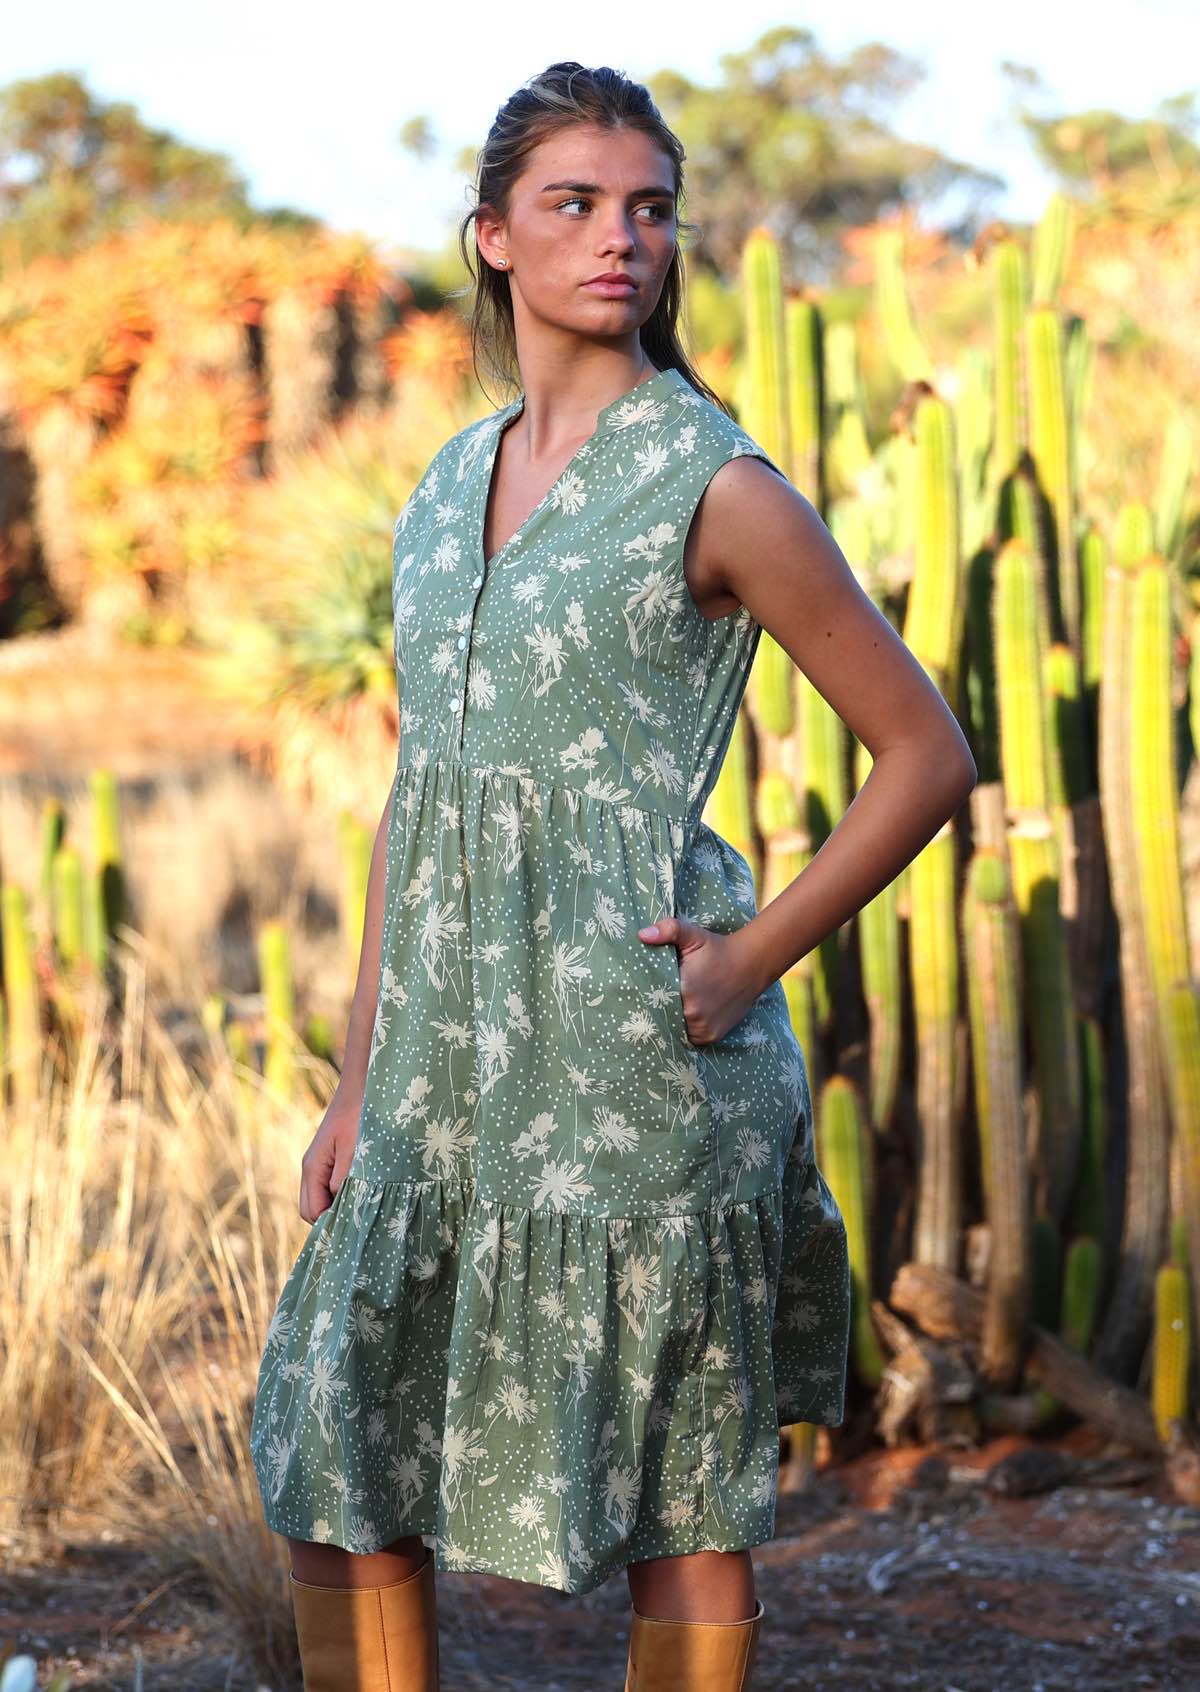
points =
(796, 139)
(1105, 153)
(74, 168)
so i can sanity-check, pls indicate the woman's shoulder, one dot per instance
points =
(712, 433)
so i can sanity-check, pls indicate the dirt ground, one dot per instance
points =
(912, 1568)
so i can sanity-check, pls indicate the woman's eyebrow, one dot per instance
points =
(655, 189)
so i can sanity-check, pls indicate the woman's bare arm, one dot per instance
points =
(757, 537)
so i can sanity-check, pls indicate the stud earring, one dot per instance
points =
(503, 264)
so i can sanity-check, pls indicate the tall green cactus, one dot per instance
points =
(1049, 441)
(843, 1144)
(1052, 237)
(767, 414)
(879, 952)
(804, 339)
(824, 737)
(847, 450)
(992, 951)
(730, 806)
(935, 610)
(764, 394)
(1122, 1338)
(1172, 1348)
(1010, 275)
(1034, 854)
(904, 343)
(107, 855)
(974, 423)
(933, 965)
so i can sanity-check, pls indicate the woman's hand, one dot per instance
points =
(323, 1166)
(717, 981)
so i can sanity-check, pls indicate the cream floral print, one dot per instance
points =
(581, 1269)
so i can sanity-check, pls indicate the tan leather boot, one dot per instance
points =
(679, 1656)
(368, 1638)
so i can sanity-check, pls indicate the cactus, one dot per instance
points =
(764, 393)
(1089, 1208)
(1049, 441)
(1181, 1039)
(1068, 768)
(68, 905)
(785, 842)
(1052, 237)
(1034, 854)
(824, 742)
(1122, 1339)
(1045, 1262)
(1093, 562)
(24, 1028)
(804, 336)
(974, 422)
(356, 844)
(879, 950)
(904, 344)
(728, 808)
(933, 956)
(843, 1152)
(1082, 1277)
(981, 699)
(934, 613)
(1011, 287)
(53, 833)
(107, 856)
(1176, 469)
(1157, 861)
(992, 951)
(1172, 1348)
(765, 408)
(1080, 1305)
(847, 451)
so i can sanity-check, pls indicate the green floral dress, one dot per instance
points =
(581, 1270)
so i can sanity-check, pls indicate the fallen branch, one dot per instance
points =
(946, 1308)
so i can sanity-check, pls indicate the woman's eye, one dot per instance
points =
(660, 212)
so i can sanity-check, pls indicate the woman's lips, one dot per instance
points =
(612, 290)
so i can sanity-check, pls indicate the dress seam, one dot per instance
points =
(541, 782)
(722, 1205)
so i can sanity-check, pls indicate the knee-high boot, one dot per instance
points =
(684, 1656)
(369, 1638)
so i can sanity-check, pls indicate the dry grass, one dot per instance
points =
(148, 1222)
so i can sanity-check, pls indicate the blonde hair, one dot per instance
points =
(563, 94)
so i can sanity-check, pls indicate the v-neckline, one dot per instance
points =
(509, 415)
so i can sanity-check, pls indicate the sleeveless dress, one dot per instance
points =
(581, 1270)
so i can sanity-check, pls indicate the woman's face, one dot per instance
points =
(589, 201)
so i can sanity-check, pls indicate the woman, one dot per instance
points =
(572, 1261)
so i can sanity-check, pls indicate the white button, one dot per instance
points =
(462, 641)
(454, 702)
(477, 581)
